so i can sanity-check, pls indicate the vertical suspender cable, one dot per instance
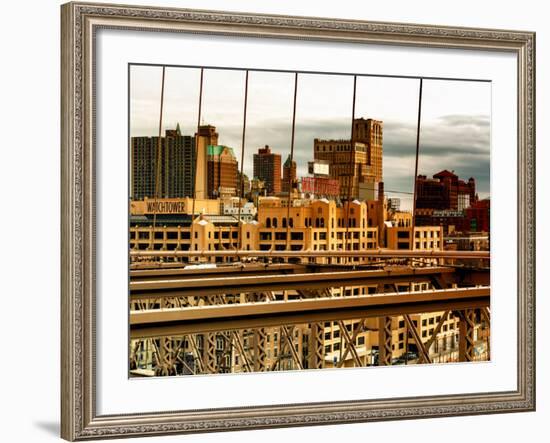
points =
(241, 180)
(158, 158)
(289, 203)
(416, 161)
(192, 230)
(351, 175)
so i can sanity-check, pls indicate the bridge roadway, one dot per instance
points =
(208, 318)
(149, 285)
(225, 270)
(381, 253)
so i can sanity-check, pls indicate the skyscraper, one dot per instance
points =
(173, 176)
(356, 164)
(222, 171)
(209, 133)
(289, 175)
(267, 167)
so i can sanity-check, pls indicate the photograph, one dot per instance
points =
(274, 220)
(301, 220)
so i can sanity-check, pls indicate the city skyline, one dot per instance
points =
(455, 126)
(335, 244)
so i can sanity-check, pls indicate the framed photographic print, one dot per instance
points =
(283, 221)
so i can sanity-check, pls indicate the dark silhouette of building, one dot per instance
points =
(447, 201)
(244, 182)
(289, 175)
(478, 216)
(174, 172)
(445, 191)
(267, 168)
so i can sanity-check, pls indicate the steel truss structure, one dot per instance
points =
(218, 322)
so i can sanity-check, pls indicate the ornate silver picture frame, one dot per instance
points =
(80, 24)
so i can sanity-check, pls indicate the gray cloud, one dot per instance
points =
(454, 142)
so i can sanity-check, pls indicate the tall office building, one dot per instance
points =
(173, 176)
(209, 133)
(267, 167)
(206, 136)
(222, 171)
(289, 175)
(357, 163)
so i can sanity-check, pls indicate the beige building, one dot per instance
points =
(310, 225)
(316, 225)
(423, 238)
(356, 163)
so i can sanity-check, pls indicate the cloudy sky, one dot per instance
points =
(455, 125)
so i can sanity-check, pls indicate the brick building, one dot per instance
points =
(222, 171)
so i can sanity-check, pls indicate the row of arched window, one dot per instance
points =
(273, 222)
(318, 222)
